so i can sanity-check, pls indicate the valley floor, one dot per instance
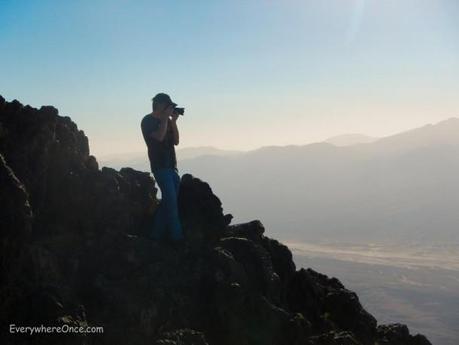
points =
(415, 285)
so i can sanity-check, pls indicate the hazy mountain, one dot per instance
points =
(350, 139)
(192, 152)
(444, 133)
(401, 187)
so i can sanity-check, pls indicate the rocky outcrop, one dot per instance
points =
(75, 252)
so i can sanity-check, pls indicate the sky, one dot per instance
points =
(249, 73)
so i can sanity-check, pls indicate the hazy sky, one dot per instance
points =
(249, 73)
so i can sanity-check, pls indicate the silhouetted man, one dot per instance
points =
(160, 132)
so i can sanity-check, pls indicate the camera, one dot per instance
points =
(179, 111)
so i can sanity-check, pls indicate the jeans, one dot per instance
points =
(166, 216)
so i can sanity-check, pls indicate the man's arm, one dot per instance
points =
(160, 132)
(175, 130)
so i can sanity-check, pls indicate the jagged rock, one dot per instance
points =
(257, 265)
(334, 338)
(253, 230)
(398, 334)
(182, 337)
(16, 212)
(75, 250)
(15, 228)
(341, 303)
(201, 211)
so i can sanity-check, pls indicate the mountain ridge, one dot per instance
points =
(350, 139)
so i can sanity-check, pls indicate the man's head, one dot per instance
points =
(161, 102)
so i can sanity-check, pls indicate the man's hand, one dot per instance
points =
(167, 112)
(164, 116)
(175, 116)
(175, 129)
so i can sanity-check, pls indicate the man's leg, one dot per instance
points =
(170, 201)
(177, 183)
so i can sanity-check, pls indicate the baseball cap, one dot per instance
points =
(163, 98)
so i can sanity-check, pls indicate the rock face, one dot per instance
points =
(74, 252)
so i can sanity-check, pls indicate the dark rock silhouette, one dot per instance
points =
(75, 252)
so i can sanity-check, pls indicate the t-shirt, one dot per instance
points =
(160, 153)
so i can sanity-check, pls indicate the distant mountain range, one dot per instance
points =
(402, 187)
(350, 139)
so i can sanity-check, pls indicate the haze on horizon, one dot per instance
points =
(250, 73)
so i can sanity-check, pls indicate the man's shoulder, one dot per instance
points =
(148, 119)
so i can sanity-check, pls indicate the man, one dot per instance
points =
(160, 132)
